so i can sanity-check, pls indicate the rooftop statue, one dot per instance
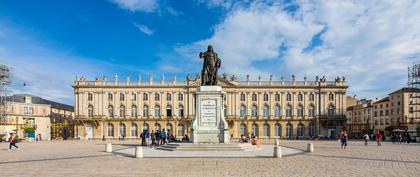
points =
(211, 64)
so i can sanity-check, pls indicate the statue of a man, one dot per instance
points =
(210, 66)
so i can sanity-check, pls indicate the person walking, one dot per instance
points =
(147, 137)
(366, 138)
(153, 137)
(13, 140)
(378, 138)
(168, 136)
(343, 139)
(157, 136)
(163, 137)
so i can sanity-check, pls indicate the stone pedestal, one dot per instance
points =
(209, 124)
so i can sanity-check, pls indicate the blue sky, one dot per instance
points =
(48, 43)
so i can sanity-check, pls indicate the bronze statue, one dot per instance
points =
(210, 66)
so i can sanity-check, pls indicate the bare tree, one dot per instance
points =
(5, 82)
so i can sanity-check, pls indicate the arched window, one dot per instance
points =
(181, 111)
(110, 96)
(169, 111)
(265, 97)
(311, 111)
(145, 111)
(90, 111)
(243, 130)
(111, 111)
(122, 129)
(289, 130)
(277, 97)
(122, 97)
(331, 110)
(254, 111)
(255, 129)
(266, 129)
(242, 97)
(168, 97)
(277, 129)
(331, 97)
(266, 111)
(169, 127)
(145, 126)
(289, 111)
(289, 97)
(300, 130)
(300, 111)
(134, 111)
(133, 97)
(180, 129)
(145, 97)
(300, 97)
(110, 130)
(277, 111)
(122, 111)
(90, 96)
(157, 111)
(311, 97)
(157, 97)
(134, 130)
(311, 130)
(180, 97)
(254, 97)
(157, 126)
(242, 111)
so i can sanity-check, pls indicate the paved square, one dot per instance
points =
(84, 158)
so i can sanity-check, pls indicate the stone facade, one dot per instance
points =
(269, 109)
(360, 118)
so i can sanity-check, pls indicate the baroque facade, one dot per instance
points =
(269, 109)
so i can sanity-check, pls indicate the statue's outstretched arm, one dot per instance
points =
(201, 55)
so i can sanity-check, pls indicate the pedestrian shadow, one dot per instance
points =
(51, 159)
(364, 158)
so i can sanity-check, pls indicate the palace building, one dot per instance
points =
(267, 108)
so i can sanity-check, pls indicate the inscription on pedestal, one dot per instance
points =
(208, 112)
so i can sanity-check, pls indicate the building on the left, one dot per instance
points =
(35, 118)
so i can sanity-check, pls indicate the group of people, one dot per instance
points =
(253, 139)
(344, 138)
(160, 137)
(400, 138)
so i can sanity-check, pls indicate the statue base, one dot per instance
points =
(209, 124)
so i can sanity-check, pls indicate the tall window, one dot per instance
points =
(277, 97)
(121, 96)
(169, 127)
(110, 111)
(168, 110)
(254, 97)
(311, 130)
(122, 129)
(242, 111)
(243, 130)
(134, 111)
(311, 97)
(133, 97)
(289, 97)
(122, 111)
(180, 96)
(277, 130)
(110, 96)
(157, 126)
(157, 97)
(277, 111)
(300, 130)
(145, 126)
(180, 129)
(145, 111)
(134, 130)
(289, 130)
(289, 111)
(145, 97)
(157, 111)
(90, 96)
(300, 111)
(242, 97)
(265, 97)
(168, 97)
(90, 111)
(266, 111)
(311, 111)
(266, 129)
(331, 110)
(300, 97)
(181, 111)
(255, 129)
(110, 130)
(331, 97)
(254, 112)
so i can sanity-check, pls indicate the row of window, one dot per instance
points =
(134, 113)
(387, 112)
(381, 122)
(277, 130)
(134, 97)
(289, 111)
(134, 132)
(254, 97)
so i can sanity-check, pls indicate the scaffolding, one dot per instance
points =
(414, 97)
(5, 82)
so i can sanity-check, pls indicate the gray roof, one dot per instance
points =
(19, 98)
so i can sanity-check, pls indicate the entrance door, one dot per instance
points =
(89, 131)
(331, 133)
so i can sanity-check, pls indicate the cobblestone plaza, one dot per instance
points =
(87, 158)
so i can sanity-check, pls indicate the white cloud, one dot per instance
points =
(144, 29)
(369, 42)
(137, 5)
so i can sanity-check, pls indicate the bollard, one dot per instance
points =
(277, 152)
(310, 147)
(108, 147)
(139, 152)
(277, 142)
